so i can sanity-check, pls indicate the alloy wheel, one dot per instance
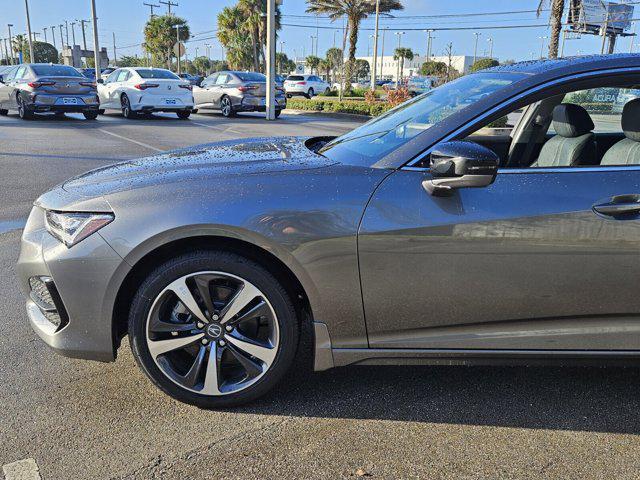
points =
(212, 333)
(225, 106)
(126, 107)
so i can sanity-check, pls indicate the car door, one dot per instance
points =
(218, 89)
(14, 86)
(542, 259)
(119, 87)
(6, 89)
(202, 95)
(104, 90)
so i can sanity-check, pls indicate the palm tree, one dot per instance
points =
(402, 54)
(335, 57)
(355, 11)
(325, 66)
(557, 10)
(312, 62)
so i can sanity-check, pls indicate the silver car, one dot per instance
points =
(413, 238)
(42, 87)
(233, 92)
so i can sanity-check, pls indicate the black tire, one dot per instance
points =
(311, 93)
(127, 112)
(218, 261)
(278, 112)
(226, 107)
(183, 114)
(90, 115)
(289, 95)
(101, 111)
(23, 111)
(4, 112)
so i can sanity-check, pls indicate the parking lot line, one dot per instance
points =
(145, 145)
(26, 469)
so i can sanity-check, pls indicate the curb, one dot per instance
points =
(351, 116)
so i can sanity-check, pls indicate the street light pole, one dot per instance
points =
(115, 51)
(96, 46)
(271, 60)
(384, 31)
(429, 40)
(73, 32)
(177, 27)
(66, 29)
(374, 74)
(542, 47)
(399, 34)
(45, 34)
(53, 35)
(475, 50)
(9, 25)
(26, 8)
(61, 36)
(84, 37)
(490, 40)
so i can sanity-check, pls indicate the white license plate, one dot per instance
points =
(69, 101)
(170, 101)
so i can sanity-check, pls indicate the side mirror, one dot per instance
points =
(461, 164)
(1, 78)
(100, 80)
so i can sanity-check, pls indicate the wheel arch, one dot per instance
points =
(277, 267)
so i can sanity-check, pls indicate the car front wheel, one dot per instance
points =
(213, 329)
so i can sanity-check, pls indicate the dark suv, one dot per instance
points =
(39, 88)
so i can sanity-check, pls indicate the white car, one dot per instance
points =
(141, 90)
(306, 85)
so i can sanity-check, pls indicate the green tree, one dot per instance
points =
(312, 62)
(219, 65)
(160, 36)
(325, 67)
(362, 69)
(131, 61)
(284, 63)
(202, 65)
(555, 20)
(433, 68)
(401, 54)
(484, 63)
(336, 58)
(44, 52)
(355, 11)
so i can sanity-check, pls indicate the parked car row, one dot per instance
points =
(31, 89)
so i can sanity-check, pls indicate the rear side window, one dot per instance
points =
(157, 73)
(55, 71)
(21, 73)
(251, 77)
(222, 79)
(295, 78)
(123, 75)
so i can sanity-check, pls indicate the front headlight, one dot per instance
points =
(73, 227)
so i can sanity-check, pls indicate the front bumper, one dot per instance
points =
(81, 276)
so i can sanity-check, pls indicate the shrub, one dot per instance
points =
(353, 107)
(396, 97)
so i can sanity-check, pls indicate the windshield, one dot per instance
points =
(157, 73)
(55, 71)
(377, 138)
(251, 77)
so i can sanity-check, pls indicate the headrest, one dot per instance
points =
(570, 120)
(631, 120)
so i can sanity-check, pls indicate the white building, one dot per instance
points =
(388, 67)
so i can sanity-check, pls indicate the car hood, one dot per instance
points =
(244, 157)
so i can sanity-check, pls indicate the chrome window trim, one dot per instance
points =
(557, 81)
(593, 169)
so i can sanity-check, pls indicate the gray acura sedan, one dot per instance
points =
(495, 219)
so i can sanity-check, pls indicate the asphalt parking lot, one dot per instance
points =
(84, 420)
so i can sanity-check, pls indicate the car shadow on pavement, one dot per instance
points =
(583, 398)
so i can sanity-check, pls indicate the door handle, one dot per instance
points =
(619, 206)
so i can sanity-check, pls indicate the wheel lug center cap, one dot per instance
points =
(214, 330)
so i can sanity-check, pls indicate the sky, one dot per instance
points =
(126, 19)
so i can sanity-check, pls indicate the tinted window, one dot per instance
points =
(122, 76)
(222, 79)
(113, 76)
(157, 73)
(295, 78)
(21, 73)
(55, 71)
(251, 77)
(381, 136)
(10, 75)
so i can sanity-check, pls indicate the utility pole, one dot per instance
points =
(151, 6)
(334, 37)
(399, 34)
(84, 37)
(96, 46)
(66, 29)
(542, 47)
(53, 35)
(384, 31)
(45, 34)
(312, 50)
(73, 32)
(604, 33)
(490, 40)
(169, 4)
(61, 36)
(26, 8)
(115, 51)
(429, 40)
(9, 25)
(475, 50)
(374, 73)
(177, 27)
(271, 60)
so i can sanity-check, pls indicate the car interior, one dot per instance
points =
(599, 126)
